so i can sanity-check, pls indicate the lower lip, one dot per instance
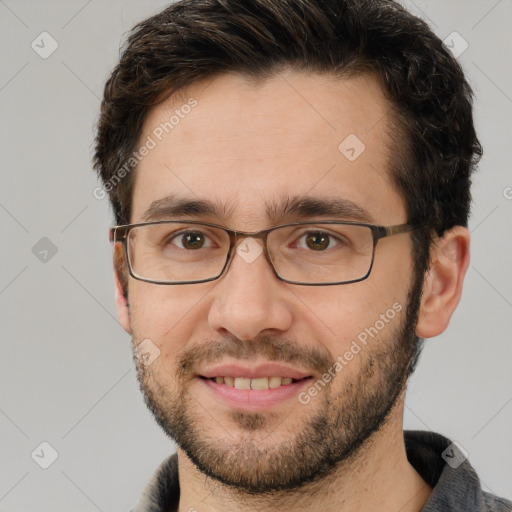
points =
(255, 399)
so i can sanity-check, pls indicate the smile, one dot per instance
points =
(253, 387)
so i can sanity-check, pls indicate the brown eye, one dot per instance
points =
(317, 241)
(191, 240)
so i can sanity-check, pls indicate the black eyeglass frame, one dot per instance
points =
(120, 234)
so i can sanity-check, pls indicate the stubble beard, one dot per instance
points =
(336, 432)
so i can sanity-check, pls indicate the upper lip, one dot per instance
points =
(253, 372)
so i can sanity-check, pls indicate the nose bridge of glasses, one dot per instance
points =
(249, 245)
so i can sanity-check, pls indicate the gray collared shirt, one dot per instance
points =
(454, 489)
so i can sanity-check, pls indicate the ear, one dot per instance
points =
(442, 287)
(121, 287)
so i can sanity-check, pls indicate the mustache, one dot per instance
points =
(268, 347)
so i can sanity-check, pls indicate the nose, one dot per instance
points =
(249, 298)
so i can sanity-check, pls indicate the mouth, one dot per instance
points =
(253, 389)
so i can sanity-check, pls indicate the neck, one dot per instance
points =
(378, 477)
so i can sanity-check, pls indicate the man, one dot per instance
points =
(290, 182)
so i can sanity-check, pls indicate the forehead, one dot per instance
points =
(250, 147)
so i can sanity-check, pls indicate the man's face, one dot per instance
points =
(244, 146)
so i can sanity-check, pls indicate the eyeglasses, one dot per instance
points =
(313, 253)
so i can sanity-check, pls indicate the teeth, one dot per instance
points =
(242, 383)
(259, 383)
(274, 382)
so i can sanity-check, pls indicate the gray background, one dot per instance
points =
(66, 370)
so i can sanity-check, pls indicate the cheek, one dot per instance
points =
(165, 315)
(363, 326)
(338, 316)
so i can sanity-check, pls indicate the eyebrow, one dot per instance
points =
(173, 206)
(299, 207)
(309, 206)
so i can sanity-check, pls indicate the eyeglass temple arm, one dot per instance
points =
(384, 231)
(117, 234)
